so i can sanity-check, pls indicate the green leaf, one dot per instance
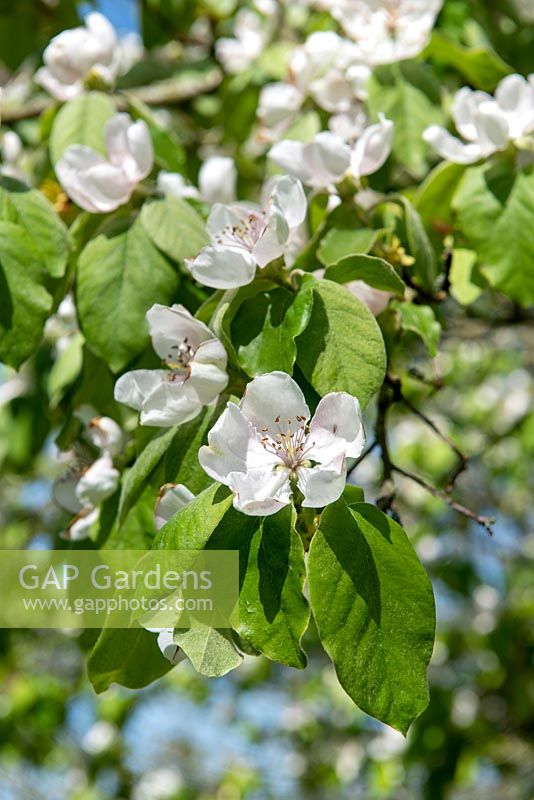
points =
(81, 121)
(25, 302)
(175, 227)
(482, 67)
(211, 651)
(434, 197)
(265, 326)
(463, 278)
(119, 279)
(494, 208)
(408, 94)
(129, 657)
(374, 271)
(29, 209)
(373, 604)
(342, 349)
(273, 613)
(339, 243)
(422, 321)
(426, 264)
(178, 449)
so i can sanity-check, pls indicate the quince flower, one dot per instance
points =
(217, 179)
(267, 447)
(84, 487)
(327, 158)
(487, 124)
(100, 185)
(245, 236)
(252, 33)
(326, 67)
(195, 371)
(386, 31)
(172, 498)
(73, 55)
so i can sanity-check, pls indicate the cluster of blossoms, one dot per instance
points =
(487, 123)
(253, 27)
(85, 486)
(88, 53)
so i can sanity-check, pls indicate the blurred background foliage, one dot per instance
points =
(266, 732)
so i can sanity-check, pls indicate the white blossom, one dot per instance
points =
(74, 55)
(98, 184)
(172, 498)
(105, 434)
(217, 179)
(245, 236)
(251, 34)
(11, 149)
(278, 105)
(486, 123)
(386, 31)
(327, 159)
(268, 445)
(195, 371)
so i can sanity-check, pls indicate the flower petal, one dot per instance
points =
(323, 484)
(270, 244)
(287, 193)
(217, 180)
(451, 148)
(223, 267)
(80, 527)
(271, 400)
(171, 403)
(169, 326)
(261, 491)
(98, 482)
(228, 443)
(133, 387)
(208, 374)
(372, 149)
(336, 428)
(129, 146)
(171, 499)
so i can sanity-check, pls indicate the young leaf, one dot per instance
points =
(33, 212)
(373, 604)
(81, 121)
(119, 278)
(339, 243)
(374, 271)
(130, 657)
(210, 650)
(422, 321)
(426, 264)
(494, 211)
(175, 227)
(25, 302)
(481, 67)
(265, 327)
(342, 349)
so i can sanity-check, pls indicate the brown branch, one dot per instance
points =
(483, 521)
(463, 460)
(164, 93)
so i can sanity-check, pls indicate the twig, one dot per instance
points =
(483, 521)
(164, 93)
(463, 460)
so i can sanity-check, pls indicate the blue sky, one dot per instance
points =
(123, 14)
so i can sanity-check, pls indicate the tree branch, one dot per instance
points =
(164, 93)
(483, 521)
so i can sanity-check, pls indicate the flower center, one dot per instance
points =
(245, 233)
(180, 355)
(290, 446)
